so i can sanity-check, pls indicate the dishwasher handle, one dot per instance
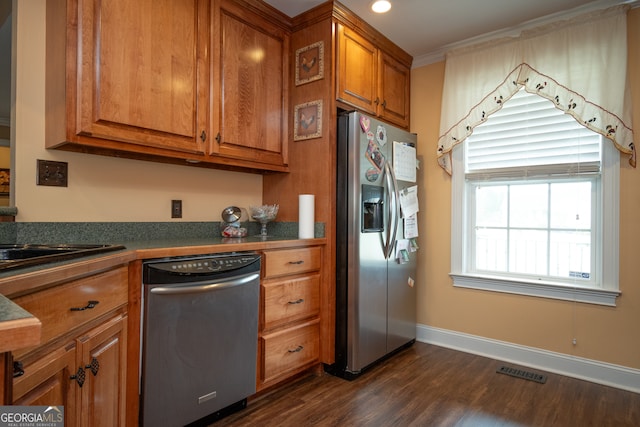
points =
(204, 287)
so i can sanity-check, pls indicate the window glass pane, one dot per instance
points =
(528, 206)
(571, 205)
(491, 249)
(570, 254)
(491, 206)
(528, 252)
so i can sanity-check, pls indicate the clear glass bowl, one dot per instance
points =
(264, 214)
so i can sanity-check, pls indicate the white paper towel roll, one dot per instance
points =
(306, 216)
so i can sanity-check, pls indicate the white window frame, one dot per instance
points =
(607, 291)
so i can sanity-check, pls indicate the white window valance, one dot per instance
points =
(580, 65)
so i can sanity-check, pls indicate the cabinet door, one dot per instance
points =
(102, 352)
(357, 70)
(250, 69)
(394, 87)
(139, 77)
(46, 382)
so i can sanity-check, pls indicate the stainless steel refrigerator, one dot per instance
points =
(375, 243)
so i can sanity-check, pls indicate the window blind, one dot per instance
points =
(530, 137)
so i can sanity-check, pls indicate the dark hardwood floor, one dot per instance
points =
(426, 385)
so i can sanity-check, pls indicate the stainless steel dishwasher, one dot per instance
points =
(199, 336)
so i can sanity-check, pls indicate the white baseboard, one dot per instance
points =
(585, 369)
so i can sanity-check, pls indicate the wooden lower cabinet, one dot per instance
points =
(103, 354)
(46, 382)
(289, 333)
(289, 351)
(82, 368)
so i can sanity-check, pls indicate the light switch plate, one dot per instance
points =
(52, 173)
(176, 209)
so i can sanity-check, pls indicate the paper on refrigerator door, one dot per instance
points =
(411, 227)
(409, 201)
(404, 161)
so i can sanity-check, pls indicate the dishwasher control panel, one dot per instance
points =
(202, 265)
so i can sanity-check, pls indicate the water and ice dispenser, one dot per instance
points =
(372, 208)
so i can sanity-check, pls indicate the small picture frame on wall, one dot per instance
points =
(307, 120)
(5, 181)
(310, 63)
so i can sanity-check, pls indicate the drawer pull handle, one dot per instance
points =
(94, 366)
(296, 262)
(298, 349)
(90, 304)
(298, 301)
(79, 377)
(18, 369)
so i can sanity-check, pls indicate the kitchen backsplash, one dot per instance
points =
(120, 232)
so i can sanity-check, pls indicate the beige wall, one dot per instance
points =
(608, 334)
(103, 188)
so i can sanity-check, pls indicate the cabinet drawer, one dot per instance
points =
(53, 306)
(289, 300)
(290, 349)
(291, 261)
(46, 382)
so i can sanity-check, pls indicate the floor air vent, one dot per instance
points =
(525, 375)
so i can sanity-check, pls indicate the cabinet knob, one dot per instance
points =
(203, 136)
(298, 349)
(218, 138)
(377, 101)
(296, 262)
(384, 104)
(298, 301)
(94, 366)
(79, 377)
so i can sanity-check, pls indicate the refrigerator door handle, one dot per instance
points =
(393, 210)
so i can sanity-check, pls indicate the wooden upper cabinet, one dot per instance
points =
(394, 89)
(357, 70)
(370, 79)
(250, 69)
(139, 75)
(198, 81)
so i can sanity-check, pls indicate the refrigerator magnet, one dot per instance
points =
(374, 155)
(381, 135)
(372, 174)
(365, 123)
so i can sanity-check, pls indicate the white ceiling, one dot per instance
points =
(425, 28)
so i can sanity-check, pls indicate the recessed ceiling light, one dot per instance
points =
(381, 6)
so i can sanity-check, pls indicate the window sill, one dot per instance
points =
(543, 290)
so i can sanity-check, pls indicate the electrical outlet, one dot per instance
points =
(176, 209)
(52, 173)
